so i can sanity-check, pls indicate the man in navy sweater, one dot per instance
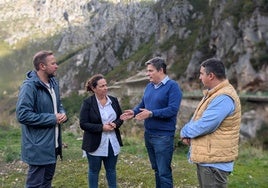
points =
(158, 108)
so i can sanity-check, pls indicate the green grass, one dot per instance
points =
(9, 144)
(133, 168)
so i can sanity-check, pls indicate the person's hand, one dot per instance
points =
(128, 114)
(113, 124)
(61, 118)
(186, 141)
(144, 114)
(108, 127)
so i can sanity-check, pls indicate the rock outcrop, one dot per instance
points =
(91, 36)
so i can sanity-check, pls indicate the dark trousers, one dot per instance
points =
(210, 177)
(40, 176)
(94, 164)
(160, 150)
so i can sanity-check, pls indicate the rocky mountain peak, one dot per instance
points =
(116, 37)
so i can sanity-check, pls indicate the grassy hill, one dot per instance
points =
(133, 169)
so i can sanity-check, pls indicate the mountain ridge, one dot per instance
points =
(115, 38)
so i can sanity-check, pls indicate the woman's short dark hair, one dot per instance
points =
(92, 82)
(158, 63)
(214, 66)
(40, 57)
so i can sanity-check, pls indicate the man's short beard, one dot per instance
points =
(51, 75)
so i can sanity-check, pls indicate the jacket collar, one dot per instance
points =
(32, 76)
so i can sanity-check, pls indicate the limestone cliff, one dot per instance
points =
(116, 38)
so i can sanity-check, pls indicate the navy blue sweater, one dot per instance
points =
(164, 102)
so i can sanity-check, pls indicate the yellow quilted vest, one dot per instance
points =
(222, 144)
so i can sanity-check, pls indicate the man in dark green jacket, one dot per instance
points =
(40, 112)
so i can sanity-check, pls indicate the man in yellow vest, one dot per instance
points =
(213, 131)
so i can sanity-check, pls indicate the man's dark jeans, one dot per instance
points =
(160, 150)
